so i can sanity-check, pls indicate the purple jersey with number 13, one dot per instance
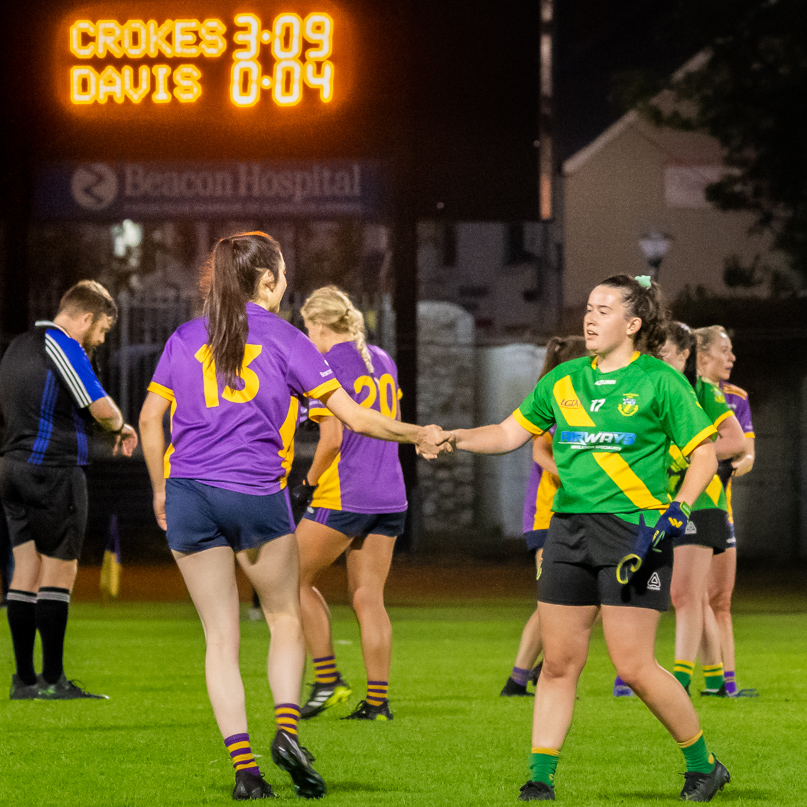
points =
(241, 440)
(366, 476)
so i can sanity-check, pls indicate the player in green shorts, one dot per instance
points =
(610, 542)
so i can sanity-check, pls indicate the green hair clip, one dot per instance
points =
(643, 280)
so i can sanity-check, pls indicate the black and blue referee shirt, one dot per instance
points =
(46, 385)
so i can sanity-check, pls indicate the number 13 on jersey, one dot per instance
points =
(211, 387)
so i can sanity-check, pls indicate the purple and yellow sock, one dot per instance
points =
(731, 683)
(520, 676)
(713, 675)
(682, 670)
(287, 716)
(325, 671)
(241, 753)
(697, 755)
(543, 763)
(377, 692)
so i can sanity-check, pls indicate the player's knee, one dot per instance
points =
(366, 598)
(681, 596)
(721, 603)
(562, 666)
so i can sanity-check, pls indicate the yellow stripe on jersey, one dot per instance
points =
(709, 431)
(544, 496)
(287, 436)
(720, 418)
(327, 386)
(633, 358)
(170, 450)
(750, 435)
(728, 501)
(163, 392)
(714, 488)
(626, 480)
(329, 489)
(525, 424)
(573, 411)
(317, 413)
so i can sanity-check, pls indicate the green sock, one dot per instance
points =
(682, 670)
(697, 755)
(543, 762)
(713, 675)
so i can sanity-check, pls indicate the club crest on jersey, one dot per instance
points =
(629, 405)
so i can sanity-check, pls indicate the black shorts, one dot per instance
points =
(45, 505)
(707, 528)
(581, 554)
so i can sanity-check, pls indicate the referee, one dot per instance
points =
(49, 395)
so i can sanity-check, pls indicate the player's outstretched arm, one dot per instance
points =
(429, 440)
(109, 417)
(500, 438)
(151, 431)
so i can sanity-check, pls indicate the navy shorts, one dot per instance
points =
(46, 505)
(581, 556)
(357, 525)
(708, 528)
(201, 516)
(535, 539)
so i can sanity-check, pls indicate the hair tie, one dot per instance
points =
(643, 280)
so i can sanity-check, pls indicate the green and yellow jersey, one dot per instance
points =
(716, 407)
(614, 432)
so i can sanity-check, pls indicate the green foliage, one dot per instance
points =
(453, 741)
(749, 93)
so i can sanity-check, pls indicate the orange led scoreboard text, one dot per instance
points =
(163, 62)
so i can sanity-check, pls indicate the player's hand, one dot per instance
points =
(671, 524)
(742, 465)
(433, 441)
(302, 494)
(126, 441)
(159, 509)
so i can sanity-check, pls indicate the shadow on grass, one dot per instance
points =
(362, 787)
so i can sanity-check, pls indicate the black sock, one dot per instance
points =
(52, 604)
(22, 623)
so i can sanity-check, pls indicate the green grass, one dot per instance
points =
(453, 741)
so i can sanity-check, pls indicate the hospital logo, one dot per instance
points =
(629, 405)
(94, 186)
(654, 583)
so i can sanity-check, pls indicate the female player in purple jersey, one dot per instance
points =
(233, 380)
(541, 487)
(715, 363)
(615, 417)
(358, 507)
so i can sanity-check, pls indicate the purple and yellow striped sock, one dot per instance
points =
(241, 753)
(325, 671)
(286, 716)
(731, 683)
(377, 692)
(520, 676)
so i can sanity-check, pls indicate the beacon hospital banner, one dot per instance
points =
(199, 190)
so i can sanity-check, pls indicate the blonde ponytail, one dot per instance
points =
(331, 307)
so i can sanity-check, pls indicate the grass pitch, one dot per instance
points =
(454, 741)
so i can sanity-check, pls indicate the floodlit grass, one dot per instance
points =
(453, 740)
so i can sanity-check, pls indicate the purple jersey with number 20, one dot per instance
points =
(238, 439)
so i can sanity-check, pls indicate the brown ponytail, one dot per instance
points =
(648, 305)
(560, 349)
(234, 270)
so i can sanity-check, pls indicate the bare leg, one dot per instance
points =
(690, 573)
(319, 547)
(710, 652)
(721, 587)
(630, 634)
(565, 631)
(274, 573)
(530, 646)
(210, 578)
(27, 566)
(368, 565)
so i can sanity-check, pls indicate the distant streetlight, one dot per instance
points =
(655, 246)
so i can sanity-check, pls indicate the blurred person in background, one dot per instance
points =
(50, 396)
(715, 363)
(542, 485)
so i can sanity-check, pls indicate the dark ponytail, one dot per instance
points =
(682, 336)
(234, 270)
(562, 348)
(646, 303)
